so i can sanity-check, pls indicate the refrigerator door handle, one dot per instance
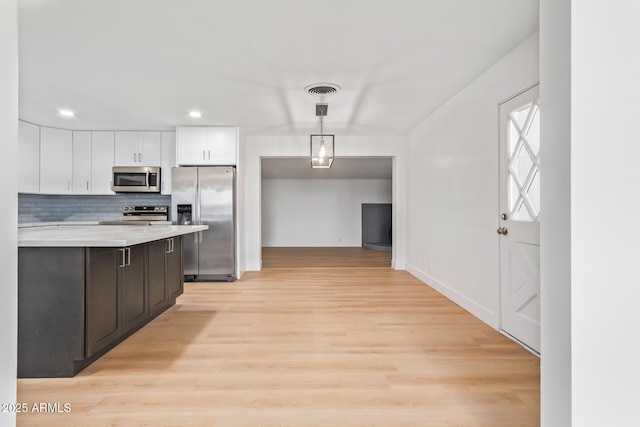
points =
(197, 202)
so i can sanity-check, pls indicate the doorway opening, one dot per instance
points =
(314, 217)
(377, 219)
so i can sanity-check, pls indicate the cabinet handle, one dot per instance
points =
(167, 245)
(203, 157)
(122, 258)
(134, 157)
(87, 185)
(128, 256)
(139, 157)
(173, 244)
(209, 151)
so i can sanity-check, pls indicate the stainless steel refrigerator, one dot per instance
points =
(206, 195)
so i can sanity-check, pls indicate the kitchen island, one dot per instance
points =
(82, 289)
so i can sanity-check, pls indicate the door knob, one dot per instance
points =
(503, 231)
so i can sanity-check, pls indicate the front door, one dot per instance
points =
(519, 222)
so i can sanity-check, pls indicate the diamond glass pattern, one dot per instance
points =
(524, 163)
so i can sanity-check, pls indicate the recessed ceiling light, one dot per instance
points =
(67, 113)
(195, 114)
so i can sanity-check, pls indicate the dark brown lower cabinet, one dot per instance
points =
(135, 288)
(165, 273)
(75, 304)
(117, 294)
(158, 295)
(174, 275)
(103, 324)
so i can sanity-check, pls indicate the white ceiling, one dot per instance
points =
(143, 64)
(342, 168)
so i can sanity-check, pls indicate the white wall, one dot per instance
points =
(9, 211)
(453, 187)
(257, 147)
(555, 227)
(605, 201)
(240, 208)
(318, 212)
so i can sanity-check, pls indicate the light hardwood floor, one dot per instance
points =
(303, 347)
(291, 257)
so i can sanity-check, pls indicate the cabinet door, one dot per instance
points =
(174, 274)
(168, 160)
(28, 157)
(126, 149)
(102, 152)
(149, 149)
(136, 301)
(158, 294)
(103, 298)
(55, 161)
(192, 145)
(81, 158)
(221, 146)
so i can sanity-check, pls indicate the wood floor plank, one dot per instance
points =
(303, 347)
(295, 257)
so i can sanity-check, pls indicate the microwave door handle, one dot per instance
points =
(148, 180)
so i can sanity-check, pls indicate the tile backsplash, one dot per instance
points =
(46, 208)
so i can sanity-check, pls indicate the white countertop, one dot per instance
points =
(62, 235)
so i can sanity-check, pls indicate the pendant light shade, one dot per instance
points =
(322, 151)
(322, 145)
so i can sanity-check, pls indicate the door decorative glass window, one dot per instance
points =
(524, 163)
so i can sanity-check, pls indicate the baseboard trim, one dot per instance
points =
(482, 313)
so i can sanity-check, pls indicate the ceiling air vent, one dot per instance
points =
(322, 89)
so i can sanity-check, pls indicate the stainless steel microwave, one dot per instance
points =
(136, 179)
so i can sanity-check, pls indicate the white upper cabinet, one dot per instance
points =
(126, 149)
(150, 147)
(222, 143)
(168, 160)
(55, 161)
(28, 158)
(81, 158)
(102, 161)
(216, 145)
(138, 148)
(191, 145)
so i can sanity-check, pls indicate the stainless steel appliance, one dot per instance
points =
(136, 179)
(206, 195)
(141, 215)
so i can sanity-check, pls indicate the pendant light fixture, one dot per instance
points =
(322, 145)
